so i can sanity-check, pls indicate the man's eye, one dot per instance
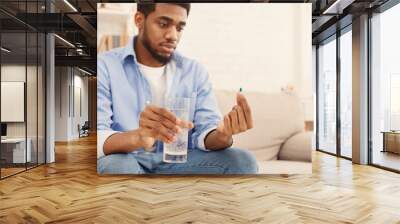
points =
(180, 28)
(162, 24)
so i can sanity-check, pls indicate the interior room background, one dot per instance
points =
(281, 63)
(22, 76)
(253, 52)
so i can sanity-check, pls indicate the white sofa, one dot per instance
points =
(278, 139)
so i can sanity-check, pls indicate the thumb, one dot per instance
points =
(238, 98)
(186, 124)
(220, 126)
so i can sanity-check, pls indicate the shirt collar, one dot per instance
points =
(130, 51)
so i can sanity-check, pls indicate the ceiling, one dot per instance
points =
(332, 15)
(73, 20)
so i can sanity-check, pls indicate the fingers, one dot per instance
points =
(234, 121)
(164, 125)
(227, 125)
(165, 122)
(241, 119)
(185, 124)
(166, 114)
(242, 102)
(158, 131)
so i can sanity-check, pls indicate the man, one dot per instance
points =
(149, 69)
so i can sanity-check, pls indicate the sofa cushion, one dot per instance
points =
(297, 147)
(264, 154)
(276, 117)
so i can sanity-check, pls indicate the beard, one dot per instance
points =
(146, 43)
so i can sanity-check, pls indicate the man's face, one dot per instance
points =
(162, 30)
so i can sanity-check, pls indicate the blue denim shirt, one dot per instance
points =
(122, 93)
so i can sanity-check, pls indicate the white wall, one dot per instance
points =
(80, 83)
(12, 100)
(258, 46)
(33, 127)
(62, 81)
(14, 72)
(67, 80)
(17, 73)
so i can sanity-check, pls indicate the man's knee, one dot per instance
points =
(121, 163)
(241, 161)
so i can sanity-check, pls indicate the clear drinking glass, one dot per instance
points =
(176, 152)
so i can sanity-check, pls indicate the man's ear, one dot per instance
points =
(139, 20)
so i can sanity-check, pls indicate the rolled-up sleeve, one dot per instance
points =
(102, 136)
(202, 138)
(104, 107)
(207, 114)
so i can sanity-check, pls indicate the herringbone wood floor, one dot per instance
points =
(70, 191)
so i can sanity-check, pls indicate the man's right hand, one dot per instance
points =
(155, 124)
(158, 123)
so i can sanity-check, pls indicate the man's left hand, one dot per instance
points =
(238, 120)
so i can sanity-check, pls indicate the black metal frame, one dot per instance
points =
(26, 91)
(44, 72)
(0, 90)
(337, 35)
(338, 98)
(317, 97)
(369, 83)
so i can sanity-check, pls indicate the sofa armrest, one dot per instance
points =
(297, 147)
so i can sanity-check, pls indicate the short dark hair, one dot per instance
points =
(147, 8)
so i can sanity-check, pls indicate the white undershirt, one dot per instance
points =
(158, 82)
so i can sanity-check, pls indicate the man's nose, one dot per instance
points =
(172, 34)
